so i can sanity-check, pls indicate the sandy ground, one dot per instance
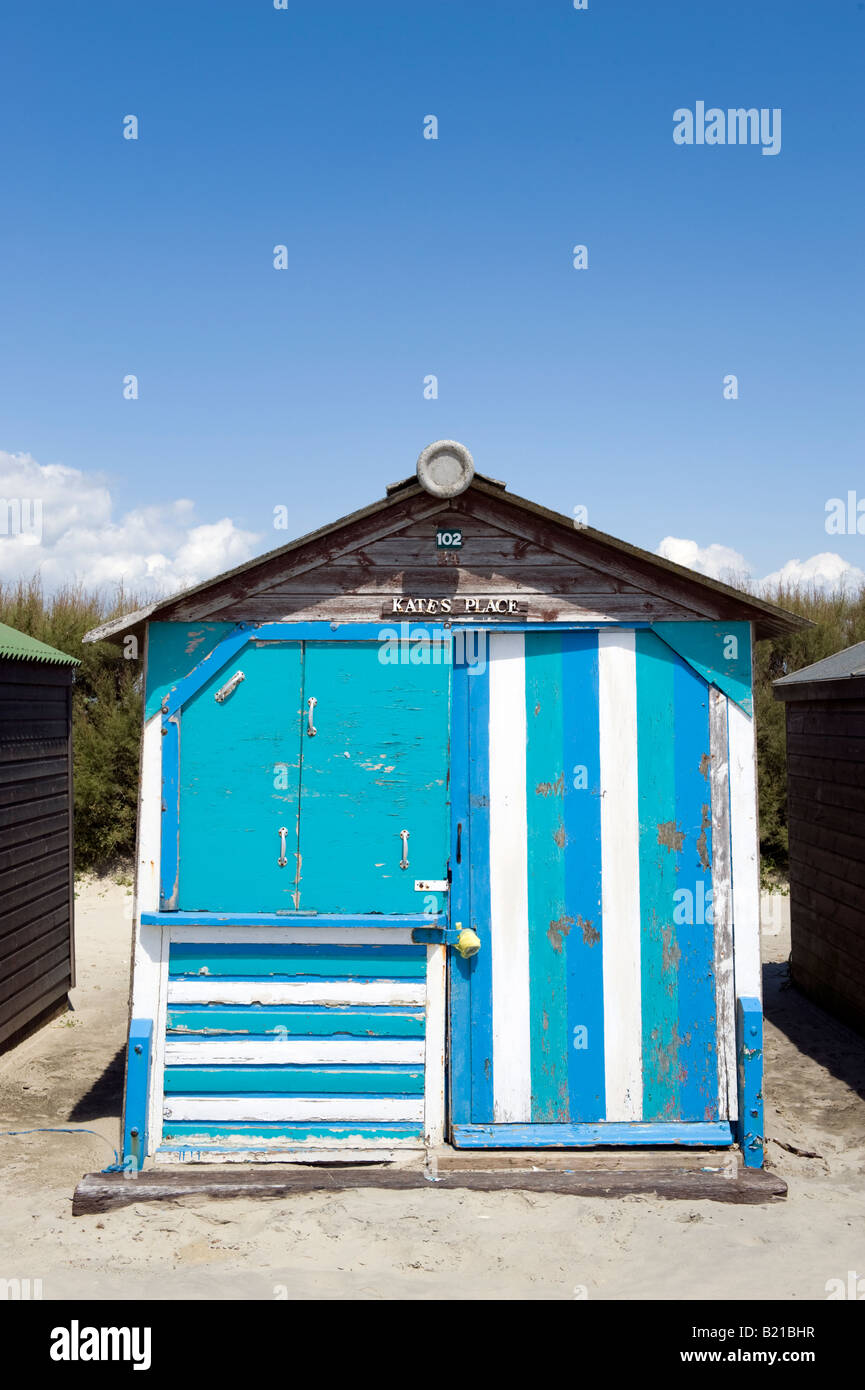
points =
(427, 1244)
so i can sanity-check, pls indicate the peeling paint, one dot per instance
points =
(705, 765)
(557, 930)
(560, 837)
(670, 952)
(669, 837)
(702, 842)
(556, 788)
(591, 935)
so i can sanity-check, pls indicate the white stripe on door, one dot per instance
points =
(620, 872)
(261, 1109)
(509, 901)
(745, 852)
(213, 990)
(277, 1052)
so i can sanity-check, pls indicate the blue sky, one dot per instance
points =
(410, 257)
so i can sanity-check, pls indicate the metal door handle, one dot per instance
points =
(283, 860)
(310, 727)
(225, 690)
(403, 863)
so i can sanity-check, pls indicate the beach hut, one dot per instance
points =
(448, 833)
(825, 716)
(37, 966)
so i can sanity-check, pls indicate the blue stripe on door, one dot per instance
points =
(660, 836)
(238, 961)
(548, 925)
(287, 1020)
(698, 1087)
(584, 942)
(459, 970)
(480, 966)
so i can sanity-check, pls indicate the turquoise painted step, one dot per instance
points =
(290, 1134)
(298, 1081)
(330, 962)
(257, 1020)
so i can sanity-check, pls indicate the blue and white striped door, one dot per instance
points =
(584, 817)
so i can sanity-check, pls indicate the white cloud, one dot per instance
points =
(826, 571)
(716, 561)
(60, 522)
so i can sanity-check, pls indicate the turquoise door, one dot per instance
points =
(377, 765)
(274, 817)
(239, 784)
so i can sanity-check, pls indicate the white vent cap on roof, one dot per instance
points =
(445, 468)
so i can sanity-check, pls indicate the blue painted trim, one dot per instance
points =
(480, 966)
(459, 978)
(288, 919)
(137, 1089)
(697, 1040)
(346, 632)
(169, 856)
(208, 666)
(567, 625)
(579, 1136)
(243, 633)
(749, 1036)
(583, 945)
(436, 936)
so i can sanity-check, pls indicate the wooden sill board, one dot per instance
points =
(99, 1192)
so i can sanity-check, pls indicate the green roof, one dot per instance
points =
(19, 647)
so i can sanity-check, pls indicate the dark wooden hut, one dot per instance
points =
(825, 707)
(36, 895)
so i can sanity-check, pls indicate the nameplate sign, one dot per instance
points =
(457, 607)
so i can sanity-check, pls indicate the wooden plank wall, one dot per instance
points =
(826, 813)
(351, 575)
(36, 956)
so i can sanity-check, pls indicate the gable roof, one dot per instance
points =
(840, 676)
(17, 646)
(406, 501)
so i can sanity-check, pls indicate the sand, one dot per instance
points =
(426, 1244)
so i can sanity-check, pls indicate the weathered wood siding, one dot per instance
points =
(826, 815)
(36, 958)
(350, 575)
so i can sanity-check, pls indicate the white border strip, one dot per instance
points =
(286, 1052)
(434, 1058)
(725, 1001)
(746, 856)
(509, 897)
(212, 990)
(620, 875)
(266, 1109)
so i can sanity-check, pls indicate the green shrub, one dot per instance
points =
(839, 621)
(106, 712)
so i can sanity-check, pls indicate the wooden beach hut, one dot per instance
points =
(825, 717)
(448, 832)
(37, 964)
